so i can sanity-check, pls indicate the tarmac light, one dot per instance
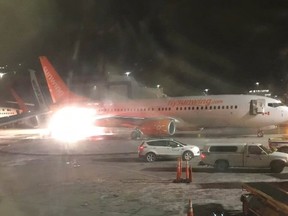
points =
(2, 74)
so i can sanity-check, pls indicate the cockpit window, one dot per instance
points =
(275, 104)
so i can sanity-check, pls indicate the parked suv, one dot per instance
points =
(153, 149)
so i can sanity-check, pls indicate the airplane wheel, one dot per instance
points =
(136, 134)
(260, 134)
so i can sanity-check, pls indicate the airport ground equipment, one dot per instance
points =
(279, 143)
(265, 198)
(254, 155)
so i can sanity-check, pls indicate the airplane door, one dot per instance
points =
(257, 106)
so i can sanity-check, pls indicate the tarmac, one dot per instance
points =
(39, 176)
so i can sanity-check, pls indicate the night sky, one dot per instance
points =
(183, 45)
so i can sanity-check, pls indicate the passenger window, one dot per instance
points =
(223, 149)
(254, 150)
(173, 144)
(158, 143)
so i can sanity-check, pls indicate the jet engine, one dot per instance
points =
(159, 127)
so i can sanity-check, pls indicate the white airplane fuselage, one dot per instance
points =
(8, 111)
(204, 111)
(163, 116)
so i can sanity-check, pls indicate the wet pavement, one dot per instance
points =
(39, 176)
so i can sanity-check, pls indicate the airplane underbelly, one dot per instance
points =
(203, 120)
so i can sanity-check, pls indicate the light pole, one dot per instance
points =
(1, 75)
(127, 73)
(257, 85)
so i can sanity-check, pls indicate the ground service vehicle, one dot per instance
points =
(279, 143)
(265, 199)
(222, 156)
(153, 149)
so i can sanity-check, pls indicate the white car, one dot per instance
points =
(153, 149)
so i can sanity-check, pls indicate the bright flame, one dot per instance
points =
(72, 124)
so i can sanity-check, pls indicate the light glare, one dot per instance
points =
(72, 124)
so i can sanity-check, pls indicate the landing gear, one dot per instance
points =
(136, 134)
(260, 133)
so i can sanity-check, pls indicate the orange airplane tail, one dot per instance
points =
(59, 91)
(19, 101)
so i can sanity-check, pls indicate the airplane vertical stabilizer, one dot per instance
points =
(58, 89)
(19, 101)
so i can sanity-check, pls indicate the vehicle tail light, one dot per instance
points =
(203, 156)
(140, 148)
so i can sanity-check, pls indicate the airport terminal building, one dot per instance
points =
(115, 87)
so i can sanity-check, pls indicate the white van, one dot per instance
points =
(223, 156)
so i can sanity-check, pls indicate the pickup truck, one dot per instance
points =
(223, 156)
(279, 143)
(265, 198)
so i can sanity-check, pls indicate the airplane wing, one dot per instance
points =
(20, 118)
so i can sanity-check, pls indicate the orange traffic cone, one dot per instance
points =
(190, 174)
(187, 171)
(179, 171)
(190, 209)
